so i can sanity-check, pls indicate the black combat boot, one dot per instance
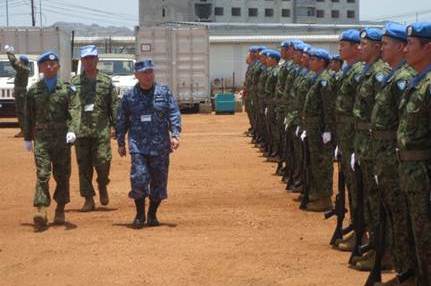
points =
(152, 211)
(139, 220)
(59, 217)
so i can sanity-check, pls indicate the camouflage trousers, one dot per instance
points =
(93, 153)
(321, 166)
(298, 151)
(395, 205)
(149, 177)
(19, 94)
(415, 178)
(52, 154)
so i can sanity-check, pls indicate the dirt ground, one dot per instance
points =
(228, 221)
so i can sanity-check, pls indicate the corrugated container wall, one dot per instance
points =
(181, 57)
(34, 41)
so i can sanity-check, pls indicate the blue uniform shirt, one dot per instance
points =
(150, 119)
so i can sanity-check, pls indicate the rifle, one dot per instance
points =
(305, 175)
(340, 207)
(359, 221)
(379, 232)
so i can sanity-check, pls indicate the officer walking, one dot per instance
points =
(47, 123)
(22, 68)
(150, 115)
(95, 116)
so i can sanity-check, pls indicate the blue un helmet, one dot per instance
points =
(24, 59)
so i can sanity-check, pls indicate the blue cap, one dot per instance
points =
(88, 51)
(320, 54)
(144, 65)
(23, 59)
(336, 57)
(298, 45)
(396, 31)
(286, 44)
(253, 49)
(306, 48)
(372, 34)
(351, 35)
(273, 54)
(419, 30)
(47, 56)
(261, 48)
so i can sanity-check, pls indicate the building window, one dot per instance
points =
(311, 11)
(269, 12)
(219, 11)
(335, 14)
(164, 12)
(252, 12)
(320, 13)
(285, 13)
(350, 14)
(335, 1)
(351, 1)
(236, 11)
(320, 0)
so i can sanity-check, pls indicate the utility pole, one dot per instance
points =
(40, 13)
(33, 19)
(7, 13)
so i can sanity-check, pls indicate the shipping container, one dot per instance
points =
(181, 57)
(34, 41)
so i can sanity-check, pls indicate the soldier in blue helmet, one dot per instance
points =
(149, 114)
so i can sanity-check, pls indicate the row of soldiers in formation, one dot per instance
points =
(371, 109)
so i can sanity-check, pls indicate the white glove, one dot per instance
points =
(28, 146)
(297, 131)
(327, 137)
(304, 135)
(266, 110)
(285, 121)
(353, 161)
(336, 152)
(70, 138)
(376, 178)
(9, 49)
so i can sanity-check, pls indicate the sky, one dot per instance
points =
(125, 12)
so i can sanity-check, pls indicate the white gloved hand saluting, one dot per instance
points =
(304, 135)
(70, 137)
(353, 161)
(326, 137)
(8, 48)
(28, 146)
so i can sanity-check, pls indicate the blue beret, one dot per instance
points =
(419, 30)
(372, 34)
(299, 45)
(320, 54)
(306, 48)
(261, 48)
(144, 65)
(47, 56)
(336, 57)
(23, 59)
(350, 36)
(396, 31)
(274, 54)
(286, 44)
(253, 49)
(88, 51)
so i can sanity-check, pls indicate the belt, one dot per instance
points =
(415, 155)
(383, 134)
(363, 126)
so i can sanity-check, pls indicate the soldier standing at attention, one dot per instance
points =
(414, 147)
(21, 66)
(47, 123)
(95, 116)
(150, 115)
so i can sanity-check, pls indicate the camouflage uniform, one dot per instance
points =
(344, 125)
(270, 84)
(384, 123)
(414, 143)
(368, 84)
(261, 81)
(318, 118)
(20, 86)
(95, 115)
(46, 121)
(248, 93)
(150, 118)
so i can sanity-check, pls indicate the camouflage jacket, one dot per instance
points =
(270, 84)
(150, 119)
(248, 78)
(47, 115)
(318, 111)
(369, 82)
(22, 71)
(303, 86)
(292, 73)
(97, 108)
(281, 78)
(414, 130)
(261, 82)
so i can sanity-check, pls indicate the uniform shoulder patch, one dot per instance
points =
(402, 84)
(380, 77)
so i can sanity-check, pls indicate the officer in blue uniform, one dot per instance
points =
(150, 115)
